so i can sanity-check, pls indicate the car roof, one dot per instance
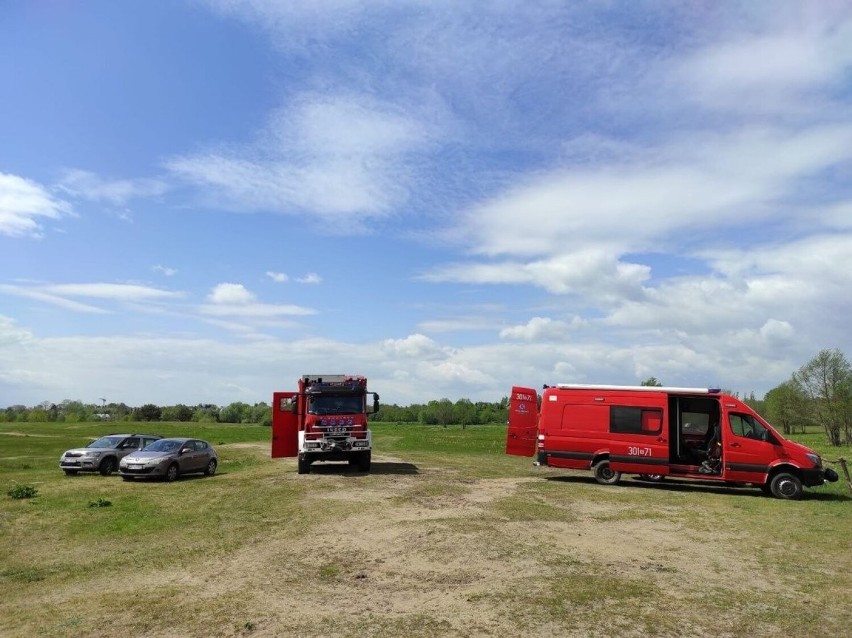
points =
(154, 436)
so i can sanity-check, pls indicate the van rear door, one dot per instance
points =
(523, 422)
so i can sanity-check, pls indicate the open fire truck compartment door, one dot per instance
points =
(285, 425)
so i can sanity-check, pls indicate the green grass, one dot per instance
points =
(229, 555)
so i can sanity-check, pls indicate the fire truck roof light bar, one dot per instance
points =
(634, 388)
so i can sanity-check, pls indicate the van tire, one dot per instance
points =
(604, 474)
(787, 486)
(653, 478)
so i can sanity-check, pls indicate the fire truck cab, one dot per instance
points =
(325, 420)
(655, 432)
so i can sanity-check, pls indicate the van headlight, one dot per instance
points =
(814, 458)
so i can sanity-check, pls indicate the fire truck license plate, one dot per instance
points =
(336, 430)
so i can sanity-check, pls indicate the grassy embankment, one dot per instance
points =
(505, 545)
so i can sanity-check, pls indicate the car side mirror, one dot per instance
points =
(183, 450)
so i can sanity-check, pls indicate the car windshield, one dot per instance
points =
(107, 441)
(164, 445)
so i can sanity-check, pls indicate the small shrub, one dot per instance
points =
(23, 491)
(101, 502)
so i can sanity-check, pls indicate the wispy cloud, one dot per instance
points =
(168, 272)
(277, 277)
(90, 186)
(235, 300)
(23, 203)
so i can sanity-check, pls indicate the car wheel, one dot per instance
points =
(108, 466)
(210, 470)
(604, 474)
(786, 485)
(70, 472)
(172, 472)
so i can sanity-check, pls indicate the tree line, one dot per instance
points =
(817, 394)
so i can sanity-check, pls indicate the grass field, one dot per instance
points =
(446, 536)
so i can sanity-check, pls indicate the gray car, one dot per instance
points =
(168, 459)
(103, 454)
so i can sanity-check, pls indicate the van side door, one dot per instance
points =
(638, 439)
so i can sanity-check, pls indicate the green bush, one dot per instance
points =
(23, 491)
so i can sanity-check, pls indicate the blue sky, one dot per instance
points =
(202, 200)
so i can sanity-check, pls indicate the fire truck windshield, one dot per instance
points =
(324, 404)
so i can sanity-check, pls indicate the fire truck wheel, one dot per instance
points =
(107, 466)
(364, 462)
(304, 465)
(786, 485)
(604, 474)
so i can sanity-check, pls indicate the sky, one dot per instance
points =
(203, 200)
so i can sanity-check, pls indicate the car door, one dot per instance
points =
(189, 459)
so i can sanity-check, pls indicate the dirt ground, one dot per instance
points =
(423, 552)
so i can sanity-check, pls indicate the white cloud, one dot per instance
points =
(337, 157)
(88, 185)
(278, 277)
(168, 272)
(542, 329)
(235, 300)
(23, 202)
(230, 294)
(310, 278)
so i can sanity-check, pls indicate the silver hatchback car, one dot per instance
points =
(169, 458)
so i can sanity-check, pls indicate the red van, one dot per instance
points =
(654, 432)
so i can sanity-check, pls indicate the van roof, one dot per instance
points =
(637, 388)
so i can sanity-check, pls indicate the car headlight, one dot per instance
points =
(814, 458)
(92, 454)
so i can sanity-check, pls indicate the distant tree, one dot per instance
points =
(234, 413)
(827, 381)
(205, 413)
(465, 413)
(148, 412)
(786, 405)
(261, 413)
(177, 412)
(652, 382)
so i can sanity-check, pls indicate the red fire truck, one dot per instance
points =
(655, 432)
(325, 420)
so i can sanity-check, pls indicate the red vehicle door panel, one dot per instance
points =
(285, 425)
(746, 455)
(639, 440)
(523, 422)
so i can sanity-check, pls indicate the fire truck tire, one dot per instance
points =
(108, 466)
(364, 462)
(786, 485)
(604, 474)
(304, 465)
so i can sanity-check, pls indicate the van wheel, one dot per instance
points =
(786, 485)
(604, 474)
(654, 478)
